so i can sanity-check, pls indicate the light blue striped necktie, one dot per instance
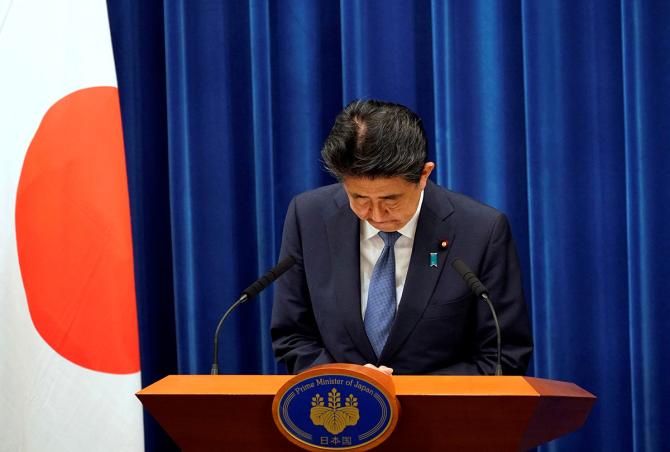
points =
(381, 308)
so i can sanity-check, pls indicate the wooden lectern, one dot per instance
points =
(441, 413)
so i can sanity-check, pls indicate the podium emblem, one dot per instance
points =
(334, 408)
(334, 417)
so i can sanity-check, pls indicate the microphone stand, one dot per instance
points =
(215, 361)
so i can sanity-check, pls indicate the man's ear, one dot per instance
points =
(425, 173)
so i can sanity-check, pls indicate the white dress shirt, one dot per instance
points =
(371, 246)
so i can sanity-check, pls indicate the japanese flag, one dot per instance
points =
(69, 360)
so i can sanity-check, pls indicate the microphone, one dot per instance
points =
(482, 292)
(247, 294)
(260, 284)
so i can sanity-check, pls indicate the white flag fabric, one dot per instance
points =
(69, 359)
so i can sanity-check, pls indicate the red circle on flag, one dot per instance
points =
(73, 233)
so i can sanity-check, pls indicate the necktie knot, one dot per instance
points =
(389, 238)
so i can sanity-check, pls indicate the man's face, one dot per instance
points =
(387, 203)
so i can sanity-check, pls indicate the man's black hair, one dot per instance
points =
(375, 139)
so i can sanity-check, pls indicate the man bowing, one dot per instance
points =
(372, 284)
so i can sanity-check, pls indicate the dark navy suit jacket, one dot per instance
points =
(440, 327)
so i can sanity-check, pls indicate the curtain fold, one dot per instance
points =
(554, 112)
(646, 95)
(577, 181)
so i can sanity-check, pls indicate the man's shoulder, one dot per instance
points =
(462, 204)
(326, 197)
(325, 191)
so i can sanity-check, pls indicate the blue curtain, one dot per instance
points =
(556, 112)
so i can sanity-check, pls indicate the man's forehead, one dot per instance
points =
(378, 187)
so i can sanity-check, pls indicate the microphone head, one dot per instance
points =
(460, 267)
(284, 265)
(267, 279)
(469, 277)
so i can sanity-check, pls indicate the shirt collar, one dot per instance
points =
(368, 231)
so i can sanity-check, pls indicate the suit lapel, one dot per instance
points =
(343, 241)
(432, 227)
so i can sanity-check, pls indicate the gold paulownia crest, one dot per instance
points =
(334, 417)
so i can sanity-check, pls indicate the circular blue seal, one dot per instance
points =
(334, 411)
